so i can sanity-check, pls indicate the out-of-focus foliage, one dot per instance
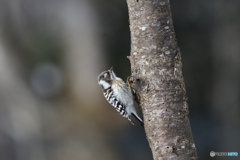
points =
(52, 51)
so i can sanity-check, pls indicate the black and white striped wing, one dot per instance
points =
(111, 98)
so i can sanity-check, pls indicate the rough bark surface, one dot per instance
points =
(158, 80)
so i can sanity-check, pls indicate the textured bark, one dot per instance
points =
(158, 80)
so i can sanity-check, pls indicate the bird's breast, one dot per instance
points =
(122, 92)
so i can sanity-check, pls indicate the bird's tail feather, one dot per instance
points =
(138, 118)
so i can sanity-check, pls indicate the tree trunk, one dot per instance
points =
(158, 80)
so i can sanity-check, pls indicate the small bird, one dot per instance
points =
(118, 94)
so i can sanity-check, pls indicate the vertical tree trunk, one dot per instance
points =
(158, 80)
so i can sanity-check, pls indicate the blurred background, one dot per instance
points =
(51, 52)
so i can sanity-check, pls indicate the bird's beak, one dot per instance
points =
(113, 75)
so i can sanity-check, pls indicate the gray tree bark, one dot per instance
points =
(158, 80)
